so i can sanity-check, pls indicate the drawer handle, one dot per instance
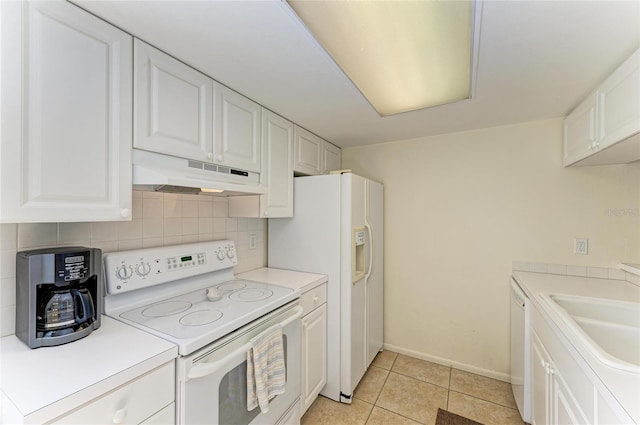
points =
(315, 299)
(119, 416)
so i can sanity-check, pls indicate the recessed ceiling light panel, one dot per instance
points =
(402, 55)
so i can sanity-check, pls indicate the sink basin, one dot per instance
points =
(609, 328)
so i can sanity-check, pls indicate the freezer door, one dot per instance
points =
(353, 358)
(374, 277)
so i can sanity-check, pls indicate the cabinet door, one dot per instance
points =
(66, 115)
(307, 151)
(173, 106)
(277, 165)
(580, 132)
(332, 157)
(540, 395)
(237, 130)
(619, 103)
(565, 409)
(314, 355)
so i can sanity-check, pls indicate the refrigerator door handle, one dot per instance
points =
(368, 227)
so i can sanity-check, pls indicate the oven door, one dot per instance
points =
(212, 382)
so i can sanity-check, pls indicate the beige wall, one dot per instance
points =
(459, 208)
(158, 220)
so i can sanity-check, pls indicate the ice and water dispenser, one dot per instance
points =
(358, 265)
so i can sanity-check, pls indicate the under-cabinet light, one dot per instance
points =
(208, 190)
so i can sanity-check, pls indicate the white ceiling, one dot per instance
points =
(537, 60)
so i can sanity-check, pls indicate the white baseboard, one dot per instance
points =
(450, 363)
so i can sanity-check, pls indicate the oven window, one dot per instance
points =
(232, 403)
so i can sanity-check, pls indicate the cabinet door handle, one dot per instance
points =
(210, 155)
(220, 158)
(125, 213)
(119, 415)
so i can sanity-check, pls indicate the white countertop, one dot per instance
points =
(623, 385)
(50, 380)
(300, 281)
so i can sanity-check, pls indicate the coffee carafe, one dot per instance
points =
(58, 294)
(63, 308)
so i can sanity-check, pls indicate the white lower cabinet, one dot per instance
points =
(66, 115)
(147, 399)
(564, 390)
(314, 345)
(553, 402)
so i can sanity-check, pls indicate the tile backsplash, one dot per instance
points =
(159, 219)
(580, 271)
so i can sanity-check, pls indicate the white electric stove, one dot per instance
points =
(186, 294)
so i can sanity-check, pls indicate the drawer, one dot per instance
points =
(313, 298)
(131, 403)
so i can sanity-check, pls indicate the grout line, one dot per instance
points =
(488, 401)
(382, 387)
(399, 414)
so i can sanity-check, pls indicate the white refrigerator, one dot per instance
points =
(337, 230)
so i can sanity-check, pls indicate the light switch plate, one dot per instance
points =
(253, 239)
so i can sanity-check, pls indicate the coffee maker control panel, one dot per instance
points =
(70, 267)
(130, 270)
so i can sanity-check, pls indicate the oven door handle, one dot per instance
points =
(206, 368)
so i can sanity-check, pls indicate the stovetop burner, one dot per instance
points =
(250, 295)
(166, 308)
(231, 286)
(202, 317)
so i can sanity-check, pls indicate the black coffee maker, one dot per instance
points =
(58, 295)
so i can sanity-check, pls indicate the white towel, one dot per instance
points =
(266, 374)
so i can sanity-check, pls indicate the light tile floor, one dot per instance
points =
(399, 389)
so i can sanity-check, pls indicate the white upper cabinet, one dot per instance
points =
(66, 115)
(237, 130)
(332, 158)
(307, 152)
(277, 172)
(619, 103)
(313, 155)
(580, 131)
(173, 106)
(276, 175)
(605, 127)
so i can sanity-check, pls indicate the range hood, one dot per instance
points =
(164, 173)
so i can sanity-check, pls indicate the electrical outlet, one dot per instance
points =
(581, 246)
(253, 240)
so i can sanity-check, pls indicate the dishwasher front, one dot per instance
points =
(520, 351)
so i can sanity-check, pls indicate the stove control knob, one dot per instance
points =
(124, 272)
(143, 269)
(220, 254)
(231, 252)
